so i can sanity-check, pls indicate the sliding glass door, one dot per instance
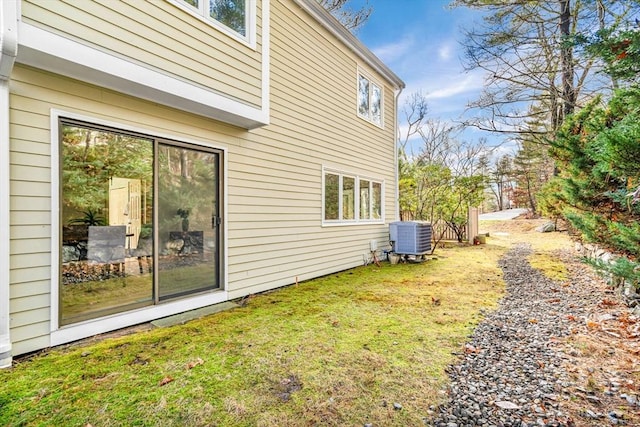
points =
(139, 221)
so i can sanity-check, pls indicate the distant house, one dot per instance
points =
(165, 155)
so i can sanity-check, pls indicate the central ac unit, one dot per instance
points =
(410, 237)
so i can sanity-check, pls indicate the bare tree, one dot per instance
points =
(352, 19)
(535, 76)
(501, 180)
(445, 177)
(415, 111)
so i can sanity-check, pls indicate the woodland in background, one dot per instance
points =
(562, 81)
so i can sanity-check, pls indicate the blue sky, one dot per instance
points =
(420, 41)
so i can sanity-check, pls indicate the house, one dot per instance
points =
(160, 156)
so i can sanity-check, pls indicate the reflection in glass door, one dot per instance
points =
(106, 229)
(188, 218)
(139, 221)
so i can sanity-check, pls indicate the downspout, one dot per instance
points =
(396, 95)
(8, 52)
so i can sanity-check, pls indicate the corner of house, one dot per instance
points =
(8, 52)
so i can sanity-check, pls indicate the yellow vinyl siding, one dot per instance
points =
(274, 174)
(314, 124)
(321, 106)
(30, 337)
(29, 275)
(159, 35)
(19, 290)
(25, 246)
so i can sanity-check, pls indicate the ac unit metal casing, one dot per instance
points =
(410, 237)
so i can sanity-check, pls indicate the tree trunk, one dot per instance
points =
(566, 56)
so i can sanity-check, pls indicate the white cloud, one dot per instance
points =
(445, 52)
(466, 83)
(447, 91)
(391, 52)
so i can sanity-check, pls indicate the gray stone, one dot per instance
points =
(507, 405)
(70, 253)
(518, 379)
(547, 227)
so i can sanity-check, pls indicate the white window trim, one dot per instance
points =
(356, 220)
(372, 81)
(67, 333)
(200, 13)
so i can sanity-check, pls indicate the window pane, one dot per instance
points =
(348, 197)
(231, 13)
(376, 107)
(187, 235)
(363, 97)
(377, 200)
(106, 215)
(194, 3)
(364, 200)
(331, 196)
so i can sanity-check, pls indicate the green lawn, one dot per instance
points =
(335, 351)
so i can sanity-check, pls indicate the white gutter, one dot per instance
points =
(8, 52)
(396, 95)
(8, 37)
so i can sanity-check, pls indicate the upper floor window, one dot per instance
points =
(233, 15)
(369, 100)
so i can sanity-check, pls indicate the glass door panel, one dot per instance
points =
(188, 217)
(106, 215)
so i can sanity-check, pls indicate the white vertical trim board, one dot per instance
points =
(9, 12)
(396, 97)
(266, 62)
(5, 331)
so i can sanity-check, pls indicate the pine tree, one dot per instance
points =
(598, 154)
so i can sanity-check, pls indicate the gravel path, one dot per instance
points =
(511, 372)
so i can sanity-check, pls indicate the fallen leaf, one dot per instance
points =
(608, 303)
(166, 380)
(534, 321)
(592, 325)
(626, 319)
(553, 300)
(468, 348)
(195, 363)
(571, 318)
